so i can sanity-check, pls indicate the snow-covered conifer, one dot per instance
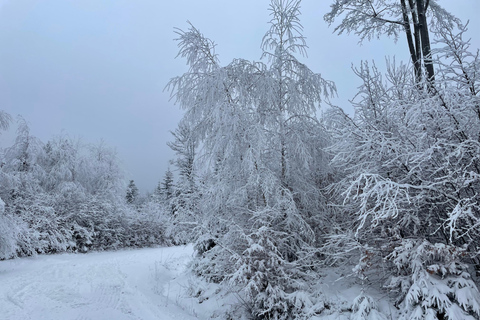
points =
(433, 283)
(182, 198)
(132, 192)
(166, 187)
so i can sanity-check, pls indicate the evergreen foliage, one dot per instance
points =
(132, 192)
(167, 186)
(183, 197)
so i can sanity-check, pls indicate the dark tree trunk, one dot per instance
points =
(416, 34)
(413, 48)
(426, 52)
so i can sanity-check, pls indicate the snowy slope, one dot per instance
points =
(131, 284)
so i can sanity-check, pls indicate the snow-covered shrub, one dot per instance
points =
(365, 308)
(46, 231)
(82, 237)
(65, 196)
(9, 229)
(147, 225)
(411, 163)
(433, 282)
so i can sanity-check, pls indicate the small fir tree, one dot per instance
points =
(132, 192)
(167, 186)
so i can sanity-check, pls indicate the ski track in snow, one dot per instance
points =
(122, 285)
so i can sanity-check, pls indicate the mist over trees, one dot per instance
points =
(64, 195)
(273, 193)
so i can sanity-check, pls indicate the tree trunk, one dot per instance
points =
(426, 52)
(413, 48)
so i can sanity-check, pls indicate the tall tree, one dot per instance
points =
(167, 186)
(184, 196)
(184, 146)
(7, 226)
(412, 182)
(59, 161)
(257, 127)
(100, 172)
(374, 18)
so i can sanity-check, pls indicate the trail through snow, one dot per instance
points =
(143, 284)
(129, 284)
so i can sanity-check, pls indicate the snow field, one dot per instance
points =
(129, 284)
(140, 284)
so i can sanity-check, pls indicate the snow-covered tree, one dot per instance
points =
(132, 192)
(67, 196)
(167, 187)
(22, 156)
(433, 282)
(100, 172)
(261, 149)
(59, 163)
(5, 120)
(20, 167)
(39, 229)
(182, 198)
(411, 161)
(7, 234)
(374, 18)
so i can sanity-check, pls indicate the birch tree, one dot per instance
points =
(374, 18)
(259, 137)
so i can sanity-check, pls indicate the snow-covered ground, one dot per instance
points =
(144, 284)
(129, 284)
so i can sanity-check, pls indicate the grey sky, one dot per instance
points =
(97, 68)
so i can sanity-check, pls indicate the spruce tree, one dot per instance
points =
(132, 192)
(167, 186)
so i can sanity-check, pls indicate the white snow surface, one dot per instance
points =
(140, 284)
(128, 284)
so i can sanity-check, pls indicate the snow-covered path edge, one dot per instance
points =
(140, 284)
(128, 284)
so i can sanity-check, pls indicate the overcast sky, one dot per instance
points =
(96, 69)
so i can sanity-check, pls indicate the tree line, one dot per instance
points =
(271, 192)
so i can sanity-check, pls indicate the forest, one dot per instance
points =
(274, 184)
